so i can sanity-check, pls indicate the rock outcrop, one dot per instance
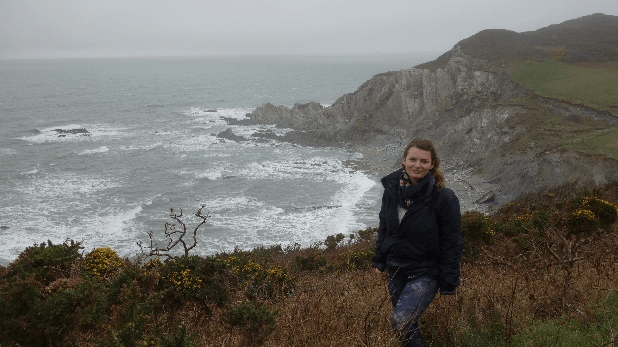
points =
(228, 134)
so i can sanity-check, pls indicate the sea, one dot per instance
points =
(99, 150)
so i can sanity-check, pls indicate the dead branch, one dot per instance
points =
(174, 235)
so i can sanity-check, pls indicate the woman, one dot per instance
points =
(419, 239)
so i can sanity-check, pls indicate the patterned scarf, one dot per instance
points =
(410, 192)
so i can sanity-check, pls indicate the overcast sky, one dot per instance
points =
(104, 28)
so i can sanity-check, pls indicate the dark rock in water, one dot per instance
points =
(229, 135)
(266, 134)
(65, 132)
(4, 227)
(235, 121)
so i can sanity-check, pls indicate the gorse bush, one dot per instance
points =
(332, 241)
(201, 280)
(103, 262)
(604, 211)
(475, 227)
(582, 221)
(258, 279)
(310, 262)
(42, 297)
(368, 234)
(46, 262)
(359, 259)
(541, 217)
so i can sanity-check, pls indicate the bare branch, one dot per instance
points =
(174, 235)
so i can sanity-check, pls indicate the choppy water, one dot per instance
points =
(99, 150)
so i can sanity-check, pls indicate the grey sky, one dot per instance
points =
(78, 28)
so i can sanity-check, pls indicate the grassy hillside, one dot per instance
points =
(583, 87)
(592, 85)
(543, 271)
(582, 40)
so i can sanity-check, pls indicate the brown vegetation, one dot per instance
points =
(538, 260)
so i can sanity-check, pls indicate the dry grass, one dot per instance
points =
(502, 294)
(511, 289)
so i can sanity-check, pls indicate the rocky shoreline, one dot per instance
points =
(381, 156)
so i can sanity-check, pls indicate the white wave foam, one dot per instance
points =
(35, 222)
(248, 130)
(262, 224)
(7, 151)
(66, 187)
(193, 144)
(31, 172)
(236, 113)
(73, 132)
(212, 174)
(219, 205)
(144, 147)
(317, 168)
(113, 230)
(101, 149)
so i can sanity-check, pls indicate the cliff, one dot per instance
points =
(470, 108)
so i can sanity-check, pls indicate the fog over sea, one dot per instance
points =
(99, 150)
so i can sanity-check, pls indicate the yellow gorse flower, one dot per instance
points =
(184, 280)
(102, 261)
(584, 214)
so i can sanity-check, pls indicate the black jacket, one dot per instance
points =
(428, 241)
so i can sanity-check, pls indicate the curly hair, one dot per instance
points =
(427, 145)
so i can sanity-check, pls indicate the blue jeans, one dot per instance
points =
(410, 299)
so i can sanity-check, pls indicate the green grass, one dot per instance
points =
(550, 131)
(600, 330)
(592, 87)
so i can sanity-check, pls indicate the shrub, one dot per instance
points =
(103, 262)
(541, 219)
(605, 211)
(46, 262)
(360, 259)
(179, 277)
(514, 225)
(257, 320)
(367, 234)
(475, 227)
(203, 280)
(333, 241)
(582, 221)
(179, 338)
(260, 280)
(33, 315)
(309, 263)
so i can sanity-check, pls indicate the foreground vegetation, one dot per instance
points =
(543, 271)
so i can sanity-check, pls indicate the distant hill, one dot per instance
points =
(592, 38)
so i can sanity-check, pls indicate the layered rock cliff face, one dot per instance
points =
(464, 107)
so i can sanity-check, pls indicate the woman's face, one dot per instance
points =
(417, 164)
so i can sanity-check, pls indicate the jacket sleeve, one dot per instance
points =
(379, 259)
(451, 241)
